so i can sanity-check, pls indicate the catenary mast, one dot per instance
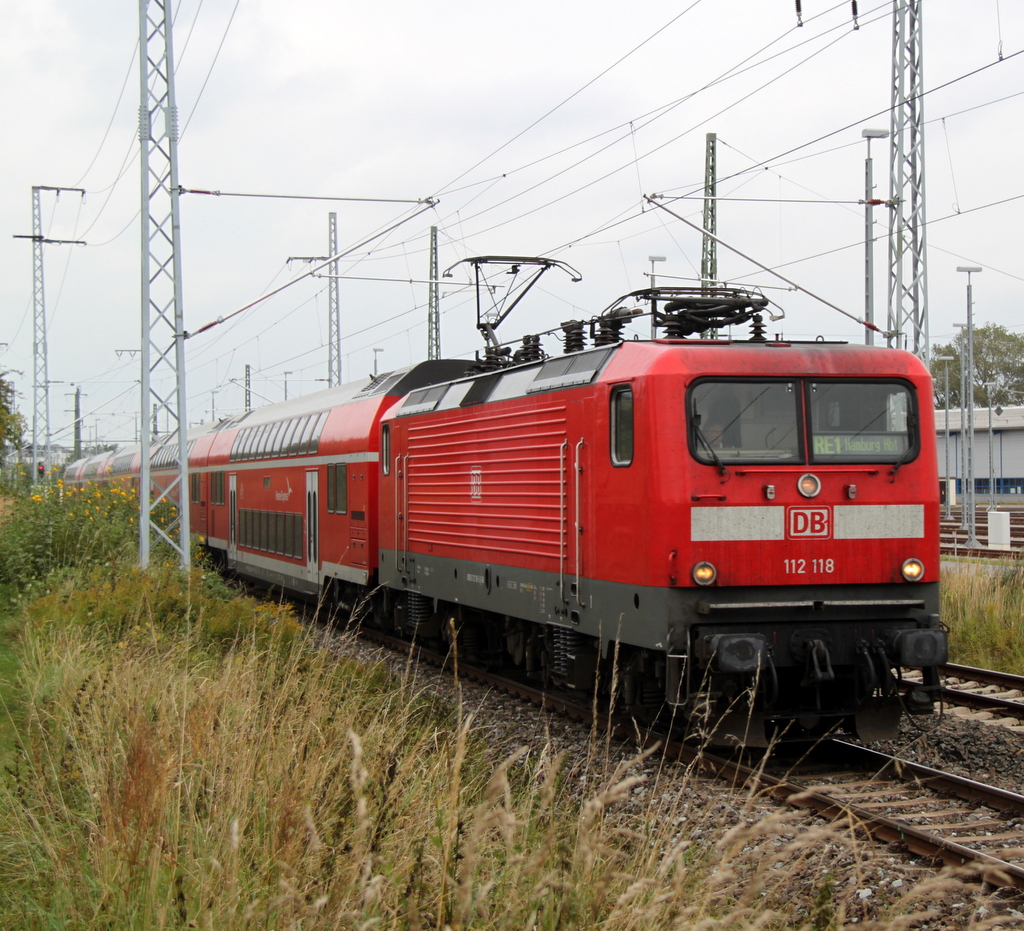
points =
(908, 280)
(163, 333)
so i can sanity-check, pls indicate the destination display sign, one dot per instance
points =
(863, 445)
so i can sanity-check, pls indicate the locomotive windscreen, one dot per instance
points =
(866, 421)
(743, 420)
(749, 421)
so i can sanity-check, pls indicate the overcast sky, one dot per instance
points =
(538, 127)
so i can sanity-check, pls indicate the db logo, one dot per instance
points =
(809, 522)
(476, 483)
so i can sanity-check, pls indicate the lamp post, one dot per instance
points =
(654, 304)
(947, 511)
(989, 385)
(869, 235)
(968, 391)
(963, 421)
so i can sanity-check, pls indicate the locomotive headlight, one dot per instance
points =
(808, 485)
(704, 573)
(913, 570)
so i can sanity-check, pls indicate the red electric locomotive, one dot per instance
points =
(747, 531)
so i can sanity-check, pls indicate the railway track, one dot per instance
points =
(923, 811)
(981, 694)
(952, 539)
(997, 695)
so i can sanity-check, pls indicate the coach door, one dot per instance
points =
(312, 526)
(232, 518)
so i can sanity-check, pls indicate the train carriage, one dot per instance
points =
(292, 488)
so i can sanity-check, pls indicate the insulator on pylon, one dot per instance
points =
(575, 338)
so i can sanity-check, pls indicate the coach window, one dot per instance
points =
(296, 440)
(385, 448)
(289, 435)
(281, 543)
(341, 488)
(275, 439)
(621, 416)
(307, 435)
(218, 487)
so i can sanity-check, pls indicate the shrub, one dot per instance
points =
(53, 527)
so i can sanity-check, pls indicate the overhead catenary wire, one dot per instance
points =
(428, 201)
(307, 274)
(462, 218)
(646, 154)
(827, 303)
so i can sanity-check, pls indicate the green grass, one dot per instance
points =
(10, 695)
(179, 758)
(984, 610)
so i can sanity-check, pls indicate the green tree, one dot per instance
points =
(998, 358)
(12, 424)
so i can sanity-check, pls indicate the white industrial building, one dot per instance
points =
(1007, 442)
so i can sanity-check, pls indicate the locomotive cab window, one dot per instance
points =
(385, 448)
(861, 421)
(621, 418)
(744, 421)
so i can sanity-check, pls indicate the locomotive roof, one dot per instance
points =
(723, 358)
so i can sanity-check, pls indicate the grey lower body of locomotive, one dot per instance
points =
(742, 665)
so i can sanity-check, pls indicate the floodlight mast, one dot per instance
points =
(487, 321)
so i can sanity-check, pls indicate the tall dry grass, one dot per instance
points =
(984, 609)
(162, 783)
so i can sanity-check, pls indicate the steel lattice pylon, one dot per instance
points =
(433, 302)
(709, 247)
(334, 308)
(163, 336)
(908, 280)
(41, 378)
(40, 373)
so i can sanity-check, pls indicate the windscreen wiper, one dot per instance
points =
(700, 435)
(902, 459)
